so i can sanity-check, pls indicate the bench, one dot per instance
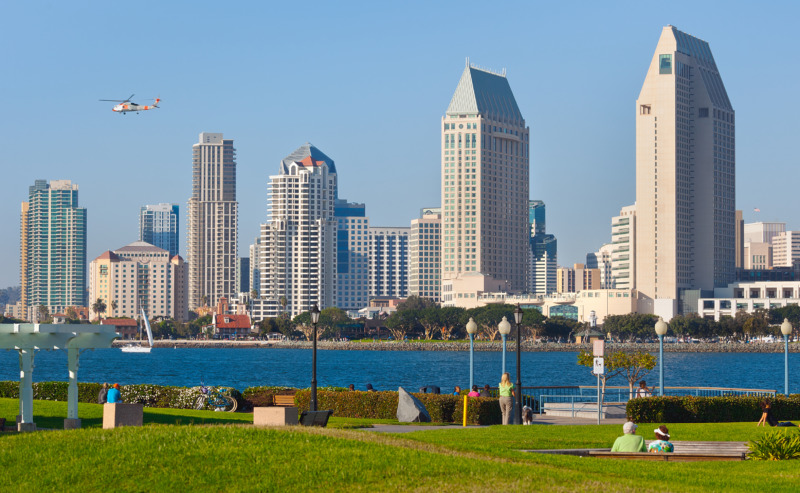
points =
(283, 400)
(685, 451)
(315, 418)
(673, 457)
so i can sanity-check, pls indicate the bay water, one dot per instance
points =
(387, 370)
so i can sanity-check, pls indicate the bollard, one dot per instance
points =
(465, 410)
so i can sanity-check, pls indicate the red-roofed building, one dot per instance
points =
(231, 326)
(126, 327)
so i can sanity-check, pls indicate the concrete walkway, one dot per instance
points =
(537, 420)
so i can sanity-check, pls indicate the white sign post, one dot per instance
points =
(598, 369)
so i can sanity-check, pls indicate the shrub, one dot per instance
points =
(443, 408)
(723, 409)
(776, 445)
(262, 396)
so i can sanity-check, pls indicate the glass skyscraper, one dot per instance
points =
(159, 226)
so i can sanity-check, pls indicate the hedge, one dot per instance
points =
(724, 409)
(443, 408)
(146, 394)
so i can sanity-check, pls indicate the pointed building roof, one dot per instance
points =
(485, 93)
(108, 255)
(308, 155)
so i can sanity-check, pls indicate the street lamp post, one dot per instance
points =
(661, 329)
(314, 319)
(472, 328)
(518, 319)
(504, 328)
(786, 330)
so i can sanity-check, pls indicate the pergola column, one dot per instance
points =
(73, 362)
(26, 391)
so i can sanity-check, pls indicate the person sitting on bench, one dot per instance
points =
(630, 441)
(661, 443)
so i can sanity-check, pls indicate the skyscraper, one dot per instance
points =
(352, 255)
(623, 252)
(213, 229)
(425, 252)
(298, 242)
(485, 176)
(54, 246)
(388, 262)
(159, 226)
(543, 252)
(685, 174)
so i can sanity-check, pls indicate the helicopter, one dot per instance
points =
(126, 105)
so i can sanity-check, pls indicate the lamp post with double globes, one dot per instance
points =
(518, 319)
(472, 328)
(314, 319)
(504, 328)
(786, 330)
(661, 330)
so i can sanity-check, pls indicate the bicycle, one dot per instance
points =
(220, 399)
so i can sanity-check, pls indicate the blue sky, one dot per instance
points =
(367, 83)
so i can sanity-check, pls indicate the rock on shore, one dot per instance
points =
(479, 346)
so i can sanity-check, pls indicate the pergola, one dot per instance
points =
(75, 338)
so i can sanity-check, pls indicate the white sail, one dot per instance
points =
(149, 332)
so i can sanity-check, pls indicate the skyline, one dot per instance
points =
(335, 90)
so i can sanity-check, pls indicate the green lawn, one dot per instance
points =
(234, 458)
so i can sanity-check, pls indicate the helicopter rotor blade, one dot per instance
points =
(113, 100)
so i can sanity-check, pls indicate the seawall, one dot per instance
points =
(722, 347)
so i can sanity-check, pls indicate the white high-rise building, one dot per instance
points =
(213, 229)
(388, 262)
(297, 259)
(601, 260)
(623, 249)
(485, 182)
(426, 254)
(786, 249)
(762, 232)
(685, 175)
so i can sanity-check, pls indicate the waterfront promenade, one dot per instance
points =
(719, 347)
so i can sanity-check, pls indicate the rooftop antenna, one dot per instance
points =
(467, 62)
(504, 71)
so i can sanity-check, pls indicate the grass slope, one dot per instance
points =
(235, 457)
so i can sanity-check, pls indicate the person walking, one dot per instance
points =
(102, 395)
(506, 395)
(114, 396)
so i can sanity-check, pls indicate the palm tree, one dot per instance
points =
(114, 306)
(99, 306)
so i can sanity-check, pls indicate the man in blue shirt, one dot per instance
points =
(114, 395)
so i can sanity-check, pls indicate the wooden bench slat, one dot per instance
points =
(669, 457)
(283, 400)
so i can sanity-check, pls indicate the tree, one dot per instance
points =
(533, 322)
(99, 307)
(430, 320)
(71, 314)
(401, 322)
(630, 327)
(632, 366)
(756, 324)
(450, 321)
(415, 302)
(114, 306)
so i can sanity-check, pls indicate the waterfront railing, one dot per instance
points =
(537, 397)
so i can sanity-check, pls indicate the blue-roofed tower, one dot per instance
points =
(485, 175)
(685, 176)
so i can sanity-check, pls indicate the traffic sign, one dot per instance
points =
(599, 347)
(599, 366)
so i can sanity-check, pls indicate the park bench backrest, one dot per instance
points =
(315, 418)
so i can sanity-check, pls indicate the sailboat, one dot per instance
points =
(138, 348)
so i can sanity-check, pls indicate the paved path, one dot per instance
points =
(537, 419)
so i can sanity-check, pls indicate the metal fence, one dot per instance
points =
(536, 397)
